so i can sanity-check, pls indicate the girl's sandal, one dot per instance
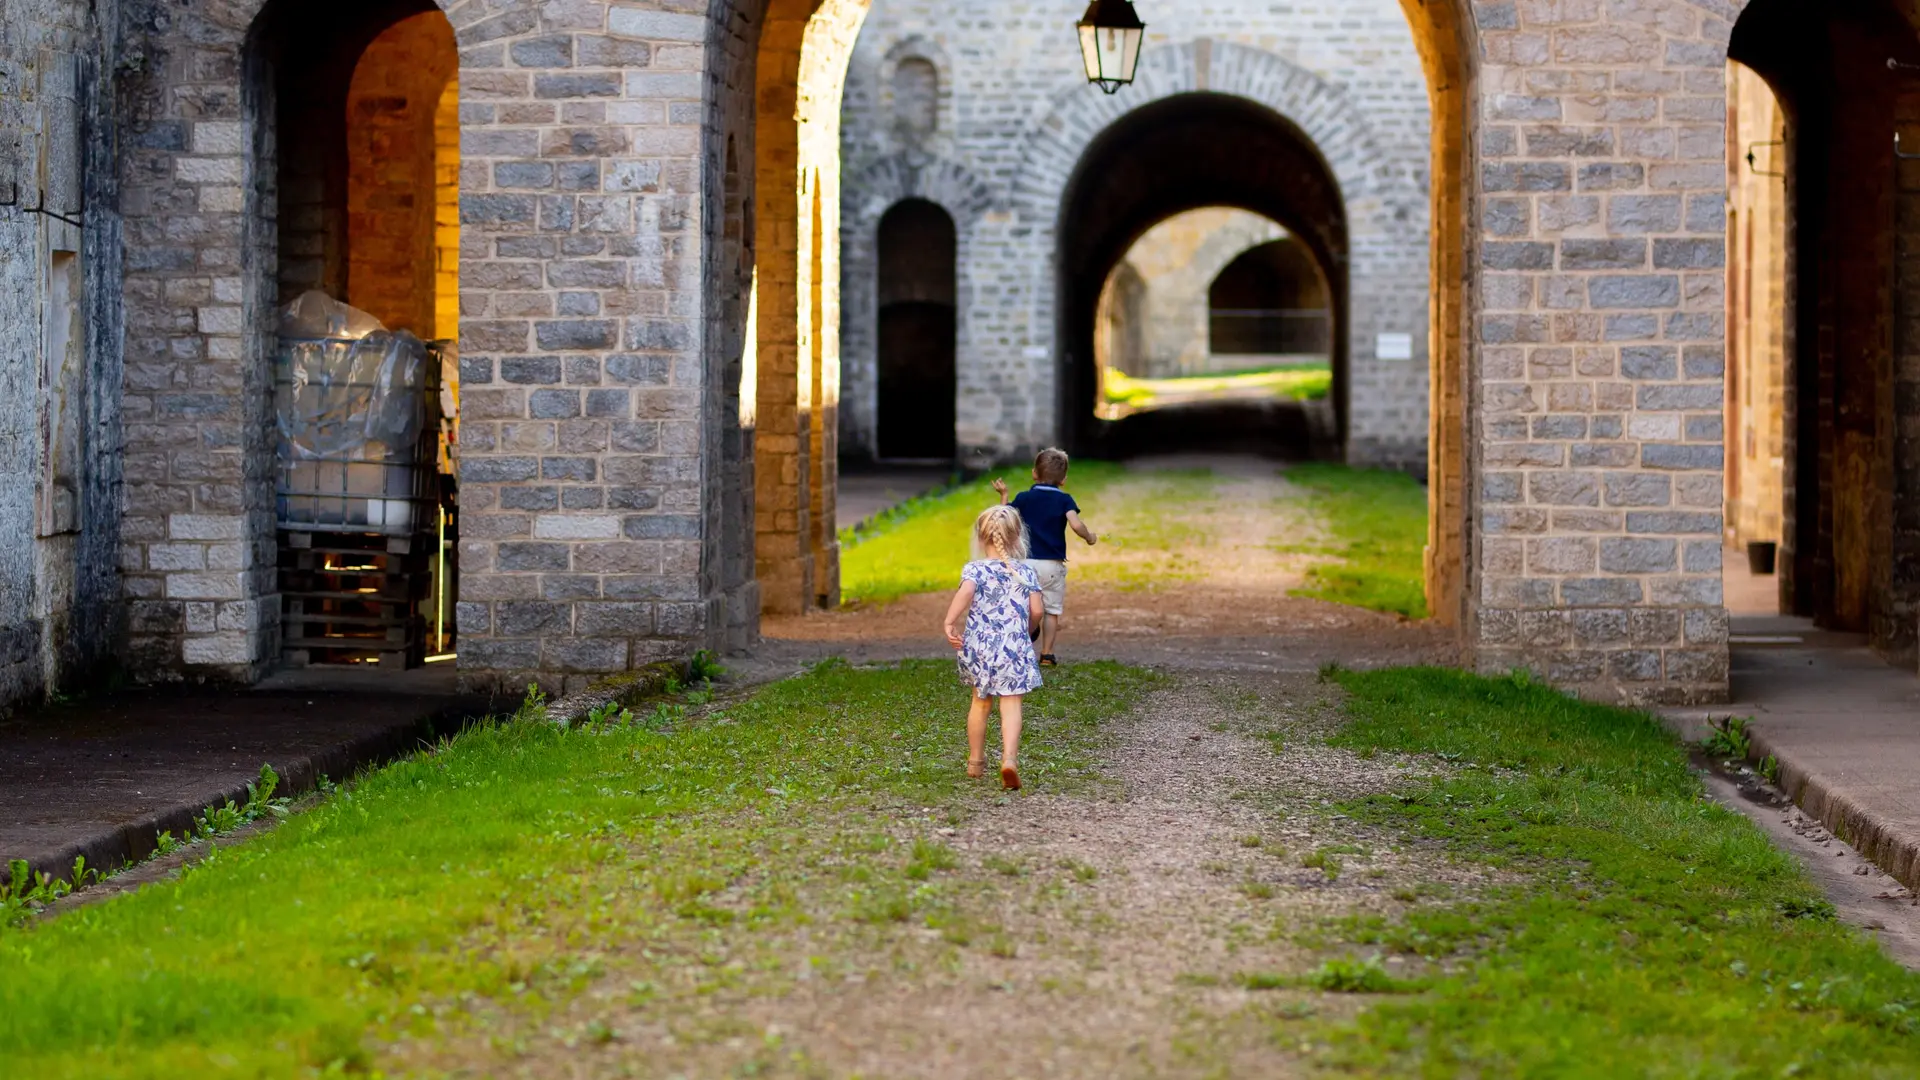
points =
(1010, 777)
(975, 769)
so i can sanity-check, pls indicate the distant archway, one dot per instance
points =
(1181, 153)
(916, 247)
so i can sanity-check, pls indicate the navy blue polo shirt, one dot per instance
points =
(1044, 508)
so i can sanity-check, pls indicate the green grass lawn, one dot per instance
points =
(1657, 934)
(1286, 382)
(921, 545)
(1376, 526)
(498, 868)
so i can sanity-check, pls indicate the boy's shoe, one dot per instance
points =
(1047, 660)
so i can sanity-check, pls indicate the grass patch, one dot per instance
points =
(1154, 530)
(1657, 934)
(488, 871)
(922, 544)
(1376, 523)
(1284, 382)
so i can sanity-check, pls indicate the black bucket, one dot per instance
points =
(1760, 556)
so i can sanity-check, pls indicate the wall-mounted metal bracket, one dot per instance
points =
(13, 200)
(1753, 162)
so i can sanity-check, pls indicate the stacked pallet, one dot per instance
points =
(354, 598)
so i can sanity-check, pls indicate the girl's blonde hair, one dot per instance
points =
(998, 533)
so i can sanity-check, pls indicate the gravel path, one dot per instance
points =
(1098, 933)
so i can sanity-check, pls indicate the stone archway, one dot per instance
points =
(1380, 199)
(1580, 543)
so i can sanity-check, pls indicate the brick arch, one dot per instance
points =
(966, 198)
(1379, 195)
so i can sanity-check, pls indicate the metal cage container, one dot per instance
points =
(358, 420)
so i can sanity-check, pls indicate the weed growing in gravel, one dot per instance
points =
(1728, 737)
(490, 870)
(1655, 933)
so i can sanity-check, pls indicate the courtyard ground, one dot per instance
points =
(1227, 863)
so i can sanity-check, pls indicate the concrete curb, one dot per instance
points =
(1892, 849)
(623, 690)
(131, 842)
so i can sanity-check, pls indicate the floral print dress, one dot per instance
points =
(996, 653)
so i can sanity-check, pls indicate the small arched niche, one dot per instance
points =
(916, 97)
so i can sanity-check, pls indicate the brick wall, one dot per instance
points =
(393, 178)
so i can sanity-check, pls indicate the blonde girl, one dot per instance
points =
(1000, 600)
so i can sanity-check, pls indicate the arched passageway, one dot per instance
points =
(1272, 300)
(1178, 154)
(1823, 380)
(916, 332)
(361, 142)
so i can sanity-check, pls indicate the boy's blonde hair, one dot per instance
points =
(1050, 465)
(998, 533)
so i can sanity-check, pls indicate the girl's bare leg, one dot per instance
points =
(1009, 732)
(977, 734)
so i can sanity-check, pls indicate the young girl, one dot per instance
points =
(1001, 600)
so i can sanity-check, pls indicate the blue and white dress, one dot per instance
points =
(996, 653)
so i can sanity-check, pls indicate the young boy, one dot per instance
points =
(1049, 513)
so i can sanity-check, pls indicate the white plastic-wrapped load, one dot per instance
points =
(352, 402)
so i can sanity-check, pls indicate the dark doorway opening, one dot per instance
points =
(916, 333)
(1271, 301)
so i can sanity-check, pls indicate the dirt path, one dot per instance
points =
(1191, 573)
(1111, 930)
(1108, 932)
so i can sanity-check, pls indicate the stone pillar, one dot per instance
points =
(802, 66)
(783, 437)
(1599, 327)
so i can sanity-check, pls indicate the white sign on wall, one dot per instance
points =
(1393, 347)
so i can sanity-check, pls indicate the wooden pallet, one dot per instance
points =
(354, 599)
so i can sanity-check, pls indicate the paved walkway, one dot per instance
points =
(101, 777)
(1841, 722)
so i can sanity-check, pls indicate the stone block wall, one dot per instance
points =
(1599, 327)
(1011, 116)
(596, 433)
(60, 322)
(1578, 306)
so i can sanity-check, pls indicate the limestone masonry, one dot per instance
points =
(667, 285)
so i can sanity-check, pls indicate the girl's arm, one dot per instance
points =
(1036, 611)
(956, 611)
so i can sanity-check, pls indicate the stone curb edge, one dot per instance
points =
(131, 842)
(623, 690)
(1893, 849)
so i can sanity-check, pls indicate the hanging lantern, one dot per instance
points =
(1110, 36)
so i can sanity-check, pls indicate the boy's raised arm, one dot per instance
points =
(1000, 486)
(1078, 526)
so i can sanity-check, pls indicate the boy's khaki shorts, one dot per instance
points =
(1053, 584)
